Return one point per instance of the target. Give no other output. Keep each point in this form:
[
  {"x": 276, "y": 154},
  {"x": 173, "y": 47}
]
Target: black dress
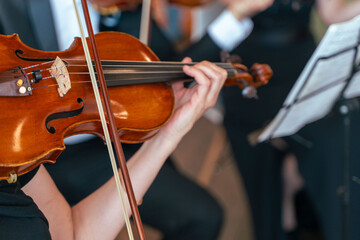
[{"x": 20, "y": 218}]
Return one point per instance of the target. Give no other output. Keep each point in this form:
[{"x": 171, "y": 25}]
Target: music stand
[{"x": 330, "y": 82}]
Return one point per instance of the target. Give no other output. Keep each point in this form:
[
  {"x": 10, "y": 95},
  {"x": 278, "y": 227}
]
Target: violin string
[
  {"x": 126, "y": 71},
  {"x": 39, "y": 64},
  {"x": 147, "y": 77},
  {"x": 122, "y": 82},
  {"x": 43, "y": 70},
  {"x": 144, "y": 62},
  {"x": 133, "y": 64},
  {"x": 46, "y": 86},
  {"x": 111, "y": 81},
  {"x": 132, "y": 71},
  {"x": 146, "y": 66},
  {"x": 125, "y": 64}
]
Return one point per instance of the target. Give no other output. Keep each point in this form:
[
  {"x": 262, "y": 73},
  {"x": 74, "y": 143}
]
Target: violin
[{"x": 47, "y": 96}]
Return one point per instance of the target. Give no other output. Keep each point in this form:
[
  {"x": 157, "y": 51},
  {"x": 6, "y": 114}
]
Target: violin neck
[{"x": 130, "y": 73}]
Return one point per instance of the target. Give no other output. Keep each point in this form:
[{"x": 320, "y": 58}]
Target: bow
[{"x": 125, "y": 179}]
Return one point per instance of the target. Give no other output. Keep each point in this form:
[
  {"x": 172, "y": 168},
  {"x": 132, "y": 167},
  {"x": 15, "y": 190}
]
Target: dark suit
[{"x": 196, "y": 215}]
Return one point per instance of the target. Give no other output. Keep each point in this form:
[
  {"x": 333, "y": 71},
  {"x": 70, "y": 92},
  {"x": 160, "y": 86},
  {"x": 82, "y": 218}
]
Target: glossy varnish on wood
[{"x": 25, "y": 141}]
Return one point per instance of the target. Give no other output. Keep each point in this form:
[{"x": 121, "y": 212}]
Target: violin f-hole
[
  {"x": 61, "y": 115},
  {"x": 19, "y": 52}
]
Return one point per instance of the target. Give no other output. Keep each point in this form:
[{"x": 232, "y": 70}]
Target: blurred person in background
[{"x": 281, "y": 38}]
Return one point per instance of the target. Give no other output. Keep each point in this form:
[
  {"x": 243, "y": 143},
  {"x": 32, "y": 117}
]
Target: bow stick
[
  {"x": 145, "y": 22},
  {"x": 112, "y": 125}
]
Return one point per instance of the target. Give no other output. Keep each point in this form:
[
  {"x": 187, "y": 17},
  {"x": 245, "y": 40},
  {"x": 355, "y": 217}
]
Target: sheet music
[
  {"x": 327, "y": 72},
  {"x": 321, "y": 105},
  {"x": 322, "y": 81}
]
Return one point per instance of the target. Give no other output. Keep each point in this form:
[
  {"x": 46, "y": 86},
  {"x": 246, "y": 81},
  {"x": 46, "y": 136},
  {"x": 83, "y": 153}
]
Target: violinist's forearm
[
  {"x": 103, "y": 207},
  {"x": 98, "y": 216},
  {"x": 147, "y": 162},
  {"x": 50, "y": 201},
  {"x": 335, "y": 11}
]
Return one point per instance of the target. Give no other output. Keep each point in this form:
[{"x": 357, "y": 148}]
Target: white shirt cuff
[{"x": 227, "y": 32}]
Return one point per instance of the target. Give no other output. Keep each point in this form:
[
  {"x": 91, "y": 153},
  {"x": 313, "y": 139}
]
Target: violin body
[{"x": 35, "y": 124}]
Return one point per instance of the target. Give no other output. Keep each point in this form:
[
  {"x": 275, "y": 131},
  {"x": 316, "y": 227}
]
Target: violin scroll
[
  {"x": 250, "y": 80},
  {"x": 245, "y": 79},
  {"x": 261, "y": 73}
]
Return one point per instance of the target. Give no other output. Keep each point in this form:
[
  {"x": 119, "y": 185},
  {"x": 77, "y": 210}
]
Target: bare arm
[
  {"x": 334, "y": 11},
  {"x": 99, "y": 216}
]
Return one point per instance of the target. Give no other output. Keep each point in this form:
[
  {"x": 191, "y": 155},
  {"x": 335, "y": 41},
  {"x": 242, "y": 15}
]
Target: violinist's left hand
[{"x": 191, "y": 103}]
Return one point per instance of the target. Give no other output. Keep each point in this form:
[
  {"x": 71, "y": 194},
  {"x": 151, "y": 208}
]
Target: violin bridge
[{"x": 59, "y": 71}]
